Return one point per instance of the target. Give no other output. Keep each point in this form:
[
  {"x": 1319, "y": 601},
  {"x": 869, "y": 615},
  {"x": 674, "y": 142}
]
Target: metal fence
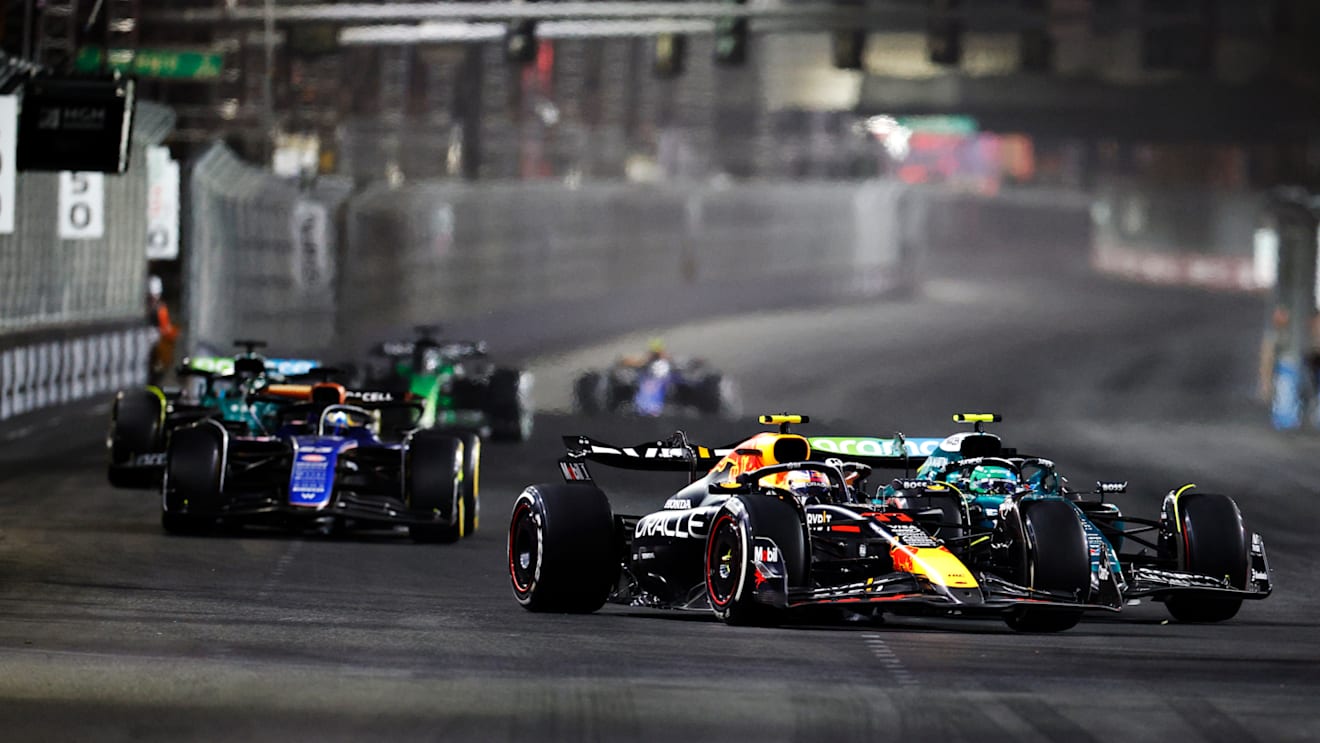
[
  {"x": 46, "y": 282},
  {"x": 446, "y": 250},
  {"x": 526, "y": 251},
  {"x": 529, "y": 264},
  {"x": 262, "y": 255},
  {"x": 72, "y": 312}
]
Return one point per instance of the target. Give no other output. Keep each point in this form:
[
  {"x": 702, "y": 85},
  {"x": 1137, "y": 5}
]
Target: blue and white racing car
[{"x": 333, "y": 458}]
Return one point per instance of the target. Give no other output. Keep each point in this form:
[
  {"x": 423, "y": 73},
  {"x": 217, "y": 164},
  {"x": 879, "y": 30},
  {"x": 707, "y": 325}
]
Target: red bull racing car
[{"x": 768, "y": 526}]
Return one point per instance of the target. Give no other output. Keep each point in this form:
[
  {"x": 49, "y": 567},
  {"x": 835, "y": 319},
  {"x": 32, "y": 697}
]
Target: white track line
[
  {"x": 890, "y": 662},
  {"x": 276, "y": 573}
]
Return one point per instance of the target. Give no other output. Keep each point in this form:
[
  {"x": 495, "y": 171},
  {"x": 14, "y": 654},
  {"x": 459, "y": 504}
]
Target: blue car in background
[
  {"x": 654, "y": 385},
  {"x": 335, "y": 459}
]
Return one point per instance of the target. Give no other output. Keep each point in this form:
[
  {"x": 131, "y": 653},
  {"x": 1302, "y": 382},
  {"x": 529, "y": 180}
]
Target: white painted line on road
[
  {"x": 876, "y": 644},
  {"x": 281, "y": 565}
]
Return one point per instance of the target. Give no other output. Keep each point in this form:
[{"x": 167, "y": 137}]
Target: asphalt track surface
[{"x": 111, "y": 630}]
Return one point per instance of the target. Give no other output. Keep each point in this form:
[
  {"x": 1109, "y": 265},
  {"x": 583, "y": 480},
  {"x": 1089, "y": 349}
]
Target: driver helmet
[
  {"x": 655, "y": 350},
  {"x": 249, "y": 368},
  {"x": 808, "y": 486},
  {"x": 338, "y": 421},
  {"x": 191, "y": 390},
  {"x": 993, "y": 480},
  {"x": 428, "y": 358}
]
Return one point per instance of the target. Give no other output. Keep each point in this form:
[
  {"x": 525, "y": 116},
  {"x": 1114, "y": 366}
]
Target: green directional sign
[
  {"x": 166, "y": 64},
  {"x": 939, "y": 124}
]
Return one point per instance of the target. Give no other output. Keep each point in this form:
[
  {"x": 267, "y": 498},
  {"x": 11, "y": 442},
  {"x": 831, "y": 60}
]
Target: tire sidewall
[
  {"x": 435, "y": 479},
  {"x": 575, "y": 564},
  {"x": 1213, "y": 538},
  {"x": 135, "y": 426},
  {"x": 471, "y": 483},
  {"x": 528, "y": 517},
  {"x": 194, "y": 466},
  {"x": 749, "y": 517},
  {"x": 726, "y": 607},
  {"x": 1056, "y": 554}
]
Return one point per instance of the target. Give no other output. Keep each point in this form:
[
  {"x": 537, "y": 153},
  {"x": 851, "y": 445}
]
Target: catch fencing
[
  {"x": 72, "y": 312},
  {"x": 261, "y": 261},
  {"x": 515, "y": 259},
  {"x": 536, "y": 251},
  {"x": 47, "y": 282}
]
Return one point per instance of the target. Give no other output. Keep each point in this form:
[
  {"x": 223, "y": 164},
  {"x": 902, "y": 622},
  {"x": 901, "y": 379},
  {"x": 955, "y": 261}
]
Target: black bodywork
[
  {"x": 310, "y": 471},
  {"x": 840, "y": 552},
  {"x": 141, "y": 422}
]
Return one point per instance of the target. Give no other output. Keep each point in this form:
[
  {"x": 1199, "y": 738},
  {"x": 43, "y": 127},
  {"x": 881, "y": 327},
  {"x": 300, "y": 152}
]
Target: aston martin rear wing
[
  {"x": 679, "y": 455},
  {"x": 899, "y": 452}
]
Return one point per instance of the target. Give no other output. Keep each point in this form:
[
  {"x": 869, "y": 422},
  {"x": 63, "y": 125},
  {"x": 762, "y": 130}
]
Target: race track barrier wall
[
  {"x": 48, "y": 371},
  {"x": 1191, "y": 237},
  {"x": 535, "y": 265},
  {"x": 1288, "y": 247},
  {"x": 73, "y": 312},
  {"x": 538, "y": 254},
  {"x": 497, "y": 255}
]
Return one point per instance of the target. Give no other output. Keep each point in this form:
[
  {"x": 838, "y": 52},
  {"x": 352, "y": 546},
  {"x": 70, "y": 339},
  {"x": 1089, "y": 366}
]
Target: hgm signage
[{"x": 76, "y": 124}]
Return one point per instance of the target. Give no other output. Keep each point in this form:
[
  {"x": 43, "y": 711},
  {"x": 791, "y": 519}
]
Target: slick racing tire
[
  {"x": 1214, "y": 543},
  {"x": 434, "y": 469},
  {"x": 135, "y": 429},
  {"x": 589, "y": 392},
  {"x": 470, "y": 394},
  {"x": 717, "y": 397},
  {"x": 510, "y": 410},
  {"x": 192, "y": 486},
  {"x": 471, "y": 482},
  {"x": 562, "y": 548},
  {"x": 1055, "y": 557},
  {"x": 730, "y": 565}
]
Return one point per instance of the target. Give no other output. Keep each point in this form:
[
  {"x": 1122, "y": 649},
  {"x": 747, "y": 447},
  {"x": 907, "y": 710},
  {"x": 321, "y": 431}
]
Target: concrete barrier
[
  {"x": 1184, "y": 236},
  {"x": 40, "y": 372}
]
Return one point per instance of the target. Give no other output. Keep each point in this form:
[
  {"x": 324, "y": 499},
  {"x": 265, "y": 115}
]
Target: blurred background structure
[
  {"x": 1157, "y": 127},
  {"x": 1204, "y": 92},
  {"x": 1098, "y": 218},
  {"x": 982, "y": 91}
]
